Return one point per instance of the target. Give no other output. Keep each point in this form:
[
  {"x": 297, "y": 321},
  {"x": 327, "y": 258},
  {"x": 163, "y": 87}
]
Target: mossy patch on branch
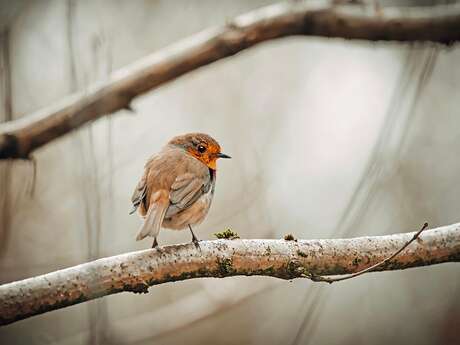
[
  {"x": 289, "y": 237},
  {"x": 227, "y": 234},
  {"x": 225, "y": 266},
  {"x": 295, "y": 269},
  {"x": 302, "y": 254}
]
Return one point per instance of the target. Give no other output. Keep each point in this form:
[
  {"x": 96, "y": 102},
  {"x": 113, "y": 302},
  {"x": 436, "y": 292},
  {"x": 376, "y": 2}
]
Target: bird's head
[{"x": 201, "y": 146}]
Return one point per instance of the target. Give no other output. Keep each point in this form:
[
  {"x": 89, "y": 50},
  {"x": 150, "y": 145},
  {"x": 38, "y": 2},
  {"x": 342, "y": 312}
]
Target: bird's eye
[{"x": 201, "y": 148}]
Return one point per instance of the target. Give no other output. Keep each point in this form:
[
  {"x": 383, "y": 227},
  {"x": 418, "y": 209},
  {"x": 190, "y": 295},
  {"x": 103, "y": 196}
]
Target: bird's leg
[
  {"x": 155, "y": 243},
  {"x": 195, "y": 240}
]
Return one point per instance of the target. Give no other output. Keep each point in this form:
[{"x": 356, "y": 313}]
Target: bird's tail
[{"x": 152, "y": 221}]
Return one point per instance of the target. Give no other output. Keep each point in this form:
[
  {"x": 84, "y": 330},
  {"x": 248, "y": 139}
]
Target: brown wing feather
[
  {"x": 139, "y": 194},
  {"x": 173, "y": 170},
  {"x": 186, "y": 189}
]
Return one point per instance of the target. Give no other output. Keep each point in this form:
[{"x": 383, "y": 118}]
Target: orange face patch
[
  {"x": 212, "y": 164},
  {"x": 208, "y": 157}
]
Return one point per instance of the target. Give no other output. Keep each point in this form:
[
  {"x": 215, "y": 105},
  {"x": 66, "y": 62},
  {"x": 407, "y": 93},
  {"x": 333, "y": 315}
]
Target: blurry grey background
[{"x": 329, "y": 138}]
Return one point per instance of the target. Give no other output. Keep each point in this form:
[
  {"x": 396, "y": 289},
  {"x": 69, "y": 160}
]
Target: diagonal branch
[
  {"x": 440, "y": 24},
  {"x": 223, "y": 258}
]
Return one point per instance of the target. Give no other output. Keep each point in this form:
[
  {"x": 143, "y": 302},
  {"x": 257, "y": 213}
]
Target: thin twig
[{"x": 330, "y": 280}]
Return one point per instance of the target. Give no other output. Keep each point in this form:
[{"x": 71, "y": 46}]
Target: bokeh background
[{"x": 329, "y": 138}]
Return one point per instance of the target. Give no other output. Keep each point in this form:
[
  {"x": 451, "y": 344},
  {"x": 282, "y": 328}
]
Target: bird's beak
[{"x": 223, "y": 155}]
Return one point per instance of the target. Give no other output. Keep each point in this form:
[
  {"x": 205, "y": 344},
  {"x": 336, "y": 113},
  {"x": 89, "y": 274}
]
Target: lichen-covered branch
[
  {"x": 222, "y": 258},
  {"x": 440, "y": 24}
]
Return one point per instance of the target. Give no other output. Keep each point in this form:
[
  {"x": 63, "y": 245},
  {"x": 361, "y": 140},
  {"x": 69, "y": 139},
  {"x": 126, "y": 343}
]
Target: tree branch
[
  {"x": 374, "y": 267},
  {"x": 222, "y": 258},
  {"x": 440, "y": 24}
]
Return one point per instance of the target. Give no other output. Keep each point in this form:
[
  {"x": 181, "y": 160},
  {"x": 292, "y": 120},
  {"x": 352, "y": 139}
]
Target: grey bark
[{"x": 283, "y": 259}]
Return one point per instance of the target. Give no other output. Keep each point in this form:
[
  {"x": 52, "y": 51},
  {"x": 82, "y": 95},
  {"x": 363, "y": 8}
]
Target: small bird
[{"x": 177, "y": 187}]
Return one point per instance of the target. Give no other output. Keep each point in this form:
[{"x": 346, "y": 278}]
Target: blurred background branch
[
  {"x": 437, "y": 24},
  {"x": 285, "y": 259}
]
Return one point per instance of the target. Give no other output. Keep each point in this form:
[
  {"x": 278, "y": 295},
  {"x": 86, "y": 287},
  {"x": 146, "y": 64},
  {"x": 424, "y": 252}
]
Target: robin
[{"x": 177, "y": 187}]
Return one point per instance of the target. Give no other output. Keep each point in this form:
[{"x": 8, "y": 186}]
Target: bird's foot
[
  {"x": 195, "y": 239},
  {"x": 196, "y": 242}
]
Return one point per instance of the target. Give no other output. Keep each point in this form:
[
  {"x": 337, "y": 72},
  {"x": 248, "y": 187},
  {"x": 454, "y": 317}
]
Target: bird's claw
[{"x": 196, "y": 242}]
